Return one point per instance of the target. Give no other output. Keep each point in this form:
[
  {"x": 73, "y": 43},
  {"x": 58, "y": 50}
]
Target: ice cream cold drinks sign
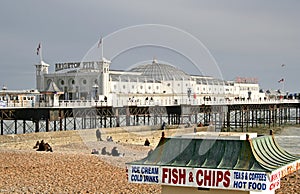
[{"x": 203, "y": 177}]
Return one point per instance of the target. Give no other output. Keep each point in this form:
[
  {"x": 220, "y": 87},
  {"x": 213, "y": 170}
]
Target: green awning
[{"x": 261, "y": 154}]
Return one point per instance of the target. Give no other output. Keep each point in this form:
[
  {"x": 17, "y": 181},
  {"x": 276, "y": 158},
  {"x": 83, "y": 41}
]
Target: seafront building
[{"x": 146, "y": 84}]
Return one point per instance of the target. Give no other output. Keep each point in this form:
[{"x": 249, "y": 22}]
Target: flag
[
  {"x": 281, "y": 80},
  {"x": 38, "y": 49},
  {"x": 100, "y": 42}
]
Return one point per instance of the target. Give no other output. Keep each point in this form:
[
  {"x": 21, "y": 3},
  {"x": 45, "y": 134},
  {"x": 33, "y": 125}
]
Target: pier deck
[{"x": 90, "y": 114}]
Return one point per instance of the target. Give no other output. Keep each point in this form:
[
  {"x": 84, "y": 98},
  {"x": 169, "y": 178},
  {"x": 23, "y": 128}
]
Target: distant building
[{"x": 146, "y": 84}]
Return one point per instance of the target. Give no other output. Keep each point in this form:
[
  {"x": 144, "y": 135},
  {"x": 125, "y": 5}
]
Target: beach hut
[{"x": 215, "y": 163}]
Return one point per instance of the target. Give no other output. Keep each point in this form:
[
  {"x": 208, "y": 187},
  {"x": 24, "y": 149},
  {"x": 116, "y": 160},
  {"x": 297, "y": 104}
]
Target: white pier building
[{"x": 146, "y": 84}]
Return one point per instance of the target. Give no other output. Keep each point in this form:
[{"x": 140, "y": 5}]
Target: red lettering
[
  {"x": 199, "y": 176},
  {"x": 182, "y": 176},
  {"x": 275, "y": 176},
  {"x": 164, "y": 174},
  {"x": 226, "y": 178},
  {"x": 213, "y": 178},
  {"x": 174, "y": 176},
  {"x": 219, "y": 177},
  {"x": 207, "y": 178}
]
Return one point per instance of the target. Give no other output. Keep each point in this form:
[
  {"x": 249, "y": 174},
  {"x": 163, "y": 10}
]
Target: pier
[{"x": 224, "y": 115}]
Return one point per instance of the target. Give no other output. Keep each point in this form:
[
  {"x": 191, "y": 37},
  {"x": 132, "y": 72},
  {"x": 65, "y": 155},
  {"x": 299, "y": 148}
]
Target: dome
[{"x": 161, "y": 72}]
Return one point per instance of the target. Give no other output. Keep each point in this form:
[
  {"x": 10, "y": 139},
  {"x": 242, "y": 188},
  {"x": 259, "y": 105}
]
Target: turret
[
  {"x": 41, "y": 70},
  {"x": 104, "y": 76}
]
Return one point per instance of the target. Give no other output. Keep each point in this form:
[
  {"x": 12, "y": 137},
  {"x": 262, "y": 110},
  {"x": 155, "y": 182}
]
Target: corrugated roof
[
  {"x": 269, "y": 154},
  {"x": 258, "y": 154}
]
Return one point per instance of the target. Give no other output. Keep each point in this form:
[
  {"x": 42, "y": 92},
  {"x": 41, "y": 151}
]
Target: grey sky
[{"x": 247, "y": 38}]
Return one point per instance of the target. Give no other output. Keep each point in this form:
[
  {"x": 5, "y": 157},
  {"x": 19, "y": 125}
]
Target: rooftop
[{"x": 260, "y": 154}]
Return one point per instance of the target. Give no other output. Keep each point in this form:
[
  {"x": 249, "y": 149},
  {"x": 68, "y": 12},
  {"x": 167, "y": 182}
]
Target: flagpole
[
  {"x": 100, "y": 43},
  {"x": 41, "y": 53},
  {"x": 102, "y": 48},
  {"x": 283, "y": 76}
]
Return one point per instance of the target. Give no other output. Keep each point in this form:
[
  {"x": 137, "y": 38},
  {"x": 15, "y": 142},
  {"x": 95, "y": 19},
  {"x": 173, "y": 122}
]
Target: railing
[{"x": 120, "y": 103}]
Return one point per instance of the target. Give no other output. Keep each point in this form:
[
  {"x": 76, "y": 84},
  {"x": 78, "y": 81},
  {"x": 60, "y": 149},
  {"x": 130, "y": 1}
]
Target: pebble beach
[{"x": 71, "y": 168}]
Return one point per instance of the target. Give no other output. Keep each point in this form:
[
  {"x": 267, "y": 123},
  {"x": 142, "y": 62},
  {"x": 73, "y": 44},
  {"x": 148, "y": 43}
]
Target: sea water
[{"x": 289, "y": 139}]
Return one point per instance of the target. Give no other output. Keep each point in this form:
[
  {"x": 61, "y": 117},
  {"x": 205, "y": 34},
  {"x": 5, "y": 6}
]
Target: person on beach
[
  {"x": 147, "y": 142},
  {"x": 98, "y": 135},
  {"x": 163, "y": 127},
  {"x": 103, "y": 151},
  {"x": 115, "y": 152}
]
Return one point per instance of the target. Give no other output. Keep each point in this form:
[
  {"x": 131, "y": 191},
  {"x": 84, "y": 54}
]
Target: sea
[{"x": 289, "y": 139}]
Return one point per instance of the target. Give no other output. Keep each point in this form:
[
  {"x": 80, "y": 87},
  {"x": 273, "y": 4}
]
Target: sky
[{"x": 226, "y": 38}]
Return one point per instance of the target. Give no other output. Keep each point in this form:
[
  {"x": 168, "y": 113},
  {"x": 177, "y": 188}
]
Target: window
[{"x": 84, "y": 81}]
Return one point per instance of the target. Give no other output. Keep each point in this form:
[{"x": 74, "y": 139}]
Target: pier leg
[
  {"x": 54, "y": 125},
  {"x": 47, "y": 125},
  {"x": 105, "y": 122},
  {"x": 1, "y": 126},
  {"x": 16, "y": 126},
  {"x": 74, "y": 123},
  {"x": 60, "y": 124},
  {"x": 65, "y": 123},
  {"x": 24, "y": 126},
  {"x": 37, "y": 126},
  {"x": 110, "y": 122},
  {"x": 228, "y": 120}
]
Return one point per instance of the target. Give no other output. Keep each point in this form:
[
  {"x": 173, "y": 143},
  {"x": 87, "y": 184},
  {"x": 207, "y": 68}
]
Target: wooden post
[
  {"x": 37, "y": 126},
  {"x": 74, "y": 123},
  {"x": 47, "y": 125},
  {"x": 16, "y": 126},
  {"x": 2, "y": 127},
  {"x": 54, "y": 125},
  {"x": 24, "y": 126}
]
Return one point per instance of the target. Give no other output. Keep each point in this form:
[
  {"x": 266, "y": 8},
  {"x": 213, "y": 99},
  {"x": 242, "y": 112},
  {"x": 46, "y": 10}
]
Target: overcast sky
[{"x": 246, "y": 38}]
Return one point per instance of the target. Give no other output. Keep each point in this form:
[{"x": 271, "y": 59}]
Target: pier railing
[{"x": 87, "y": 103}]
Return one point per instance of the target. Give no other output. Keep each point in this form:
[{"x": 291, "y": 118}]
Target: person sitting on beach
[
  {"x": 43, "y": 146},
  {"x": 36, "y": 145},
  {"x": 109, "y": 138},
  {"x": 115, "y": 152},
  {"x": 48, "y": 147},
  {"x": 103, "y": 151},
  {"x": 94, "y": 151},
  {"x": 147, "y": 142}
]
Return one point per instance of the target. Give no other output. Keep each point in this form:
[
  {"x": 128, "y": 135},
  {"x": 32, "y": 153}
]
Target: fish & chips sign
[{"x": 205, "y": 178}]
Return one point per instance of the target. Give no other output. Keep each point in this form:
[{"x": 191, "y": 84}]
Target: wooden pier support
[{"x": 242, "y": 116}]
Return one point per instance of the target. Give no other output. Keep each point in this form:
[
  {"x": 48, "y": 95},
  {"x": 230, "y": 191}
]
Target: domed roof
[{"x": 161, "y": 72}]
